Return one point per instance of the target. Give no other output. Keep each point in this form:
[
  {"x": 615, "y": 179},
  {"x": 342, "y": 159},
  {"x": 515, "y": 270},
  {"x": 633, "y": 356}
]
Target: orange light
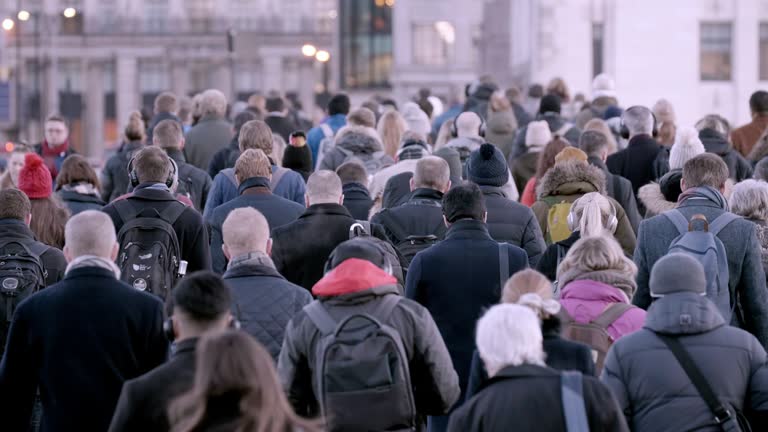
[{"x": 9, "y": 146}]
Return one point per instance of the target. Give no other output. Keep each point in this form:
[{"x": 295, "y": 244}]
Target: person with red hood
[
  {"x": 358, "y": 281},
  {"x": 55, "y": 147}
]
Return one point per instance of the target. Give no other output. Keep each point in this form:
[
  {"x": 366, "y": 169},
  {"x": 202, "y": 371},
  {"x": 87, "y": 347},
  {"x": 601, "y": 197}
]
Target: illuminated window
[{"x": 716, "y": 51}]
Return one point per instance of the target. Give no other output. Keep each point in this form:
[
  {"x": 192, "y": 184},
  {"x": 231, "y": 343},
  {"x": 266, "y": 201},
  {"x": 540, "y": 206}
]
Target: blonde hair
[
  {"x": 525, "y": 283},
  {"x": 391, "y": 128},
  {"x": 499, "y": 102},
  {"x": 135, "y": 130},
  {"x": 596, "y": 253},
  {"x": 252, "y": 163},
  {"x": 600, "y": 125},
  {"x": 558, "y": 87},
  {"x": 278, "y": 149},
  {"x": 592, "y": 214}
]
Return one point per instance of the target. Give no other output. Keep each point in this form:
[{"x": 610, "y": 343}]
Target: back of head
[
  {"x": 135, "y": 130},
  {"x": 464, "y": 201},
  {"x": 525, "y": 286},
  {"x": 152, "y": 165},
  {"x": 339, "y": 104},
  {"x": 687, "y": 145},
  {"x": 90, "y": 233},
  {"x": 664, "y": 111},
  {"x": 352, "y": 172},
  {"x": 715, "y": 122},
  {"x": 14, "y": 204},
  {"x": 213, "y": 103},
  {"x": 758, "y": 102},
  {"x": 252, "y": 163},
  {"x": 242, "y": 118},
  {"x": 362, "y": 117},
  {"x": 76, "y": 169},
  {"x": 203, "y": 297},
  {"x": 415, "y": 118},
  {"x": 593, "y": 143},
  {"x": 275, "y": 103},
  {"x": 603, "y": 85},
  {"x": 761, "y": 170},
  {"x": 468, "y": 124},
  {"x": 487, "y": 166},
  {"x": 675, "y": 273},
  {"x": 598, "y": 253},
  {"x": 535, "y": 91},
  {"x": 168, "y": 135},
  {"x": 245, "y": 230},
  {"x": 324, "y": 187},
  {"x": 432, "y": 172},
  {"x": 537, "y": 135},
  {"x": 509, "y": 335},
  {"x": 593, "y": 214},
  {"x": 558, "y": 87},
  {"x": 255, "y": 134},
  {"x": 600, "y": 125},
  {"x": 638, "y": 120},
  {"x": 571, "y": 154},
  {"x": 706, "y": 169},
  {"x": 550, "y": 103},
  {"x": 749, "y": 199},
  {"x": 547, "y": 157},
  {"x": 166, "y": 102},
  {"x": 186, "y": 106}
]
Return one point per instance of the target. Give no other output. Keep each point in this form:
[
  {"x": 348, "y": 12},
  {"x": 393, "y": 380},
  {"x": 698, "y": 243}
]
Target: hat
[
  {"x": 603, "y": 86},
  {"x": 35, "y": 179},
  {"x": 452, "y": 156},
  {"x": 487, "y": 167},
  {"x": 550, "y": 103},
  {"x": 687, "y": 145},
  {"x": 537, "y": 136},
  {"x": 677, "y": 272},
  {"x": 612, "y": 112},
  {"x": 570, "y": 154},
  {"x": 360, "y": 248},
  {"x": 416, "y": 119}
]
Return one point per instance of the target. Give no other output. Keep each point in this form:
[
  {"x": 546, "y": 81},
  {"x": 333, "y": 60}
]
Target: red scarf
[{"x": 51, "y": 154}]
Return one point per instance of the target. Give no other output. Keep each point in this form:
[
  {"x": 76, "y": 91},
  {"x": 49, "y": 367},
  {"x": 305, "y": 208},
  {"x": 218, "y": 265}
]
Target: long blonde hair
[
  {"x": 391, "y": 128},
  {"x": 597, "y": 253},
  {"x": 592, "y": 214}
]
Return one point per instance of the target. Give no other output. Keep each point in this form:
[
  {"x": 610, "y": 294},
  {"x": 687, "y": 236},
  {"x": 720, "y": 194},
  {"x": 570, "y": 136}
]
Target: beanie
[
  {"x": 603, "y": 86},
  {"x": 687, "y": 145},
  {"x": 677, "y": 272},
  {"x": 537, "y": 136},
  {"x": 487, "y": 167},
  {"x": 452, "y": 156},
  {"x": 550, "y": 103},
  {"x": 570, "y": 154},
  {"x": 360, "y": 248},
  {"x": 416, "y": 119},
  {"x": 35, "y": 179}
]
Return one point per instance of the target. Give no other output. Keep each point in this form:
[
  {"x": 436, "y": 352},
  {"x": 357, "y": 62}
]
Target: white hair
[
  {"x": 509, "y": 335},
  {"x": 324, "y": 187},
  {"x": 90, "y": 233},
  {"x": 750, "y": 199},
  {"x": 278, "y": 149},
  {"x": 213, "y": 102},
  {"x": 639, "y": 120},
  {"x": 468, "y": 124},
  {"x": 245, "y": 230}
]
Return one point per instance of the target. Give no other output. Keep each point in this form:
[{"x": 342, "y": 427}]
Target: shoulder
[{"x": 194, "y": 171}]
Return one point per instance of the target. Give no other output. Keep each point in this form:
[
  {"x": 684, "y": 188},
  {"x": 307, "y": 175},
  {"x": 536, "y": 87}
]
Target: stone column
[
  {"x": 222, "y": 78},
  {"x": 50, "y": 86},
  {"x": 307, "y": 80},
  {"x": 127, "y": 93},
  {"x": 94, "y": 110},
  {"x": 180, "y": 78}
]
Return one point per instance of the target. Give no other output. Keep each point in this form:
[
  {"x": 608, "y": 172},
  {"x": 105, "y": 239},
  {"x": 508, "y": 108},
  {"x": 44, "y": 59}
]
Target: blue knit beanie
[{"x": 487, "y": 167}]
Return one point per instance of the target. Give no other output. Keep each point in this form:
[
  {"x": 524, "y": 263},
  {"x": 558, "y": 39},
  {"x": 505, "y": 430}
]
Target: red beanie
[{"x": 35, "y": 179}]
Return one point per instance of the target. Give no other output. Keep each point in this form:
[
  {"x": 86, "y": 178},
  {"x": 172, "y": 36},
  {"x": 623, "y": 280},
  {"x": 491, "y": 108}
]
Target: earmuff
[
  {"x": 134, "y": 176},
  {"x": 624, "y": 130},
  {"x": 613, "y": 222},
  {"x": 171, "y": 335},
  {"x": 480, "y": 129}
]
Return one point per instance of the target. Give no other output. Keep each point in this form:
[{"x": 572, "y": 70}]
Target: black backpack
[
  {"x": 149, "y": 249},
  {"x": 21, "y": 274},
  {"x": 409, "y": 245}
]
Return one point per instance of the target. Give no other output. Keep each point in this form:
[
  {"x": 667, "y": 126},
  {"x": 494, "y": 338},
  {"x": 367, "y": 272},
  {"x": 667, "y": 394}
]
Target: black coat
[
  {"x": 301, "y": 248},
  {"x": 421, "y": 215},
  {"x": 620, "y": 189},
  {"x": 640, "y": 162},
  {"x": 298, "y": 159},
  {"x": 263, "y": 301},
  {"x": 397, "y": 190},
  {"x": 225, "y": 158},
  {"x": 738, "y": 167},
  {"x": 78, "y": 341},
  {"x": 144, "y": 401},
  {"x": 193, "y": 182},
  {"x": 281, "y": 126},
  {"x": 529, "y": 397},
  {"x": 357, "y": 200},
  {"x": 77, "y": 202},
  {"x": 513, "y": 223},
  {"x": 189, "y": 227},
  {"x": 556, "y": 252},
  {"x": 114, "y": 177},
  {"x": 157, "y": 118}
]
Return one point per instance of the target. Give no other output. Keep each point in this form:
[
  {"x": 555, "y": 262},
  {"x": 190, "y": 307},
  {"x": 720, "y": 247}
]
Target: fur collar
[
  {"x": 359, "y": 130},
  {"x": 653, "y": 200},
  {"x": 760, "y": 150},
  {"x": 571, "y": 178}
]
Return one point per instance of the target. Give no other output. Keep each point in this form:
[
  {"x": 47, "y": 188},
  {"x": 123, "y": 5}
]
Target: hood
[
  {"x": 762, "y": 237},
  {"x": 590, "y": 290},
  {"x": 484, "y": 91},
  {"x": 359, "y": 139},
  {"x": 501, "y": 123},
  {"x": 554, "y": 120},
  {"x": 683, "y": 313},
  {"x": 714, "y": 142},
  {"x": 571, "y": 178},
  {"x": 654, "y": 200},
  {"x": 352, "y": 276}
]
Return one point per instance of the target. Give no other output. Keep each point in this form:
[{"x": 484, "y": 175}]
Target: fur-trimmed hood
[
  {"x": 359, "y": 139},
  {"x": 571, "y": 178},
  {"x": 654, "y": 201}
]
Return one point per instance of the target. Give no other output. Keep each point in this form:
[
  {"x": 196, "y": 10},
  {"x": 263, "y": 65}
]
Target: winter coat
[
  {"x": 640, "y": 162},
  {"x": 762, "y": 237},
  {"x": 421, "y": 215},
  {"x": 529, "y": 193},
  {"x": 114, "y": 178},
  {"x": 569, "y": 181},
  {"x": 380, "y": 179},
  {"x": 464, "y": 146},
  {"x": 524, "y": 169},
  {"x": 653, "y": 390},
  {"x": 208, "y": 136},
  {"x": 264, "y": 301},
  {"x": 554, "y": 254},
  {"x": 355, "y": 287},
  {"x": 298, "y": 159},
  {"x": 281, "y": 126},
  {"x": 156, "y": 119},
  {"x": 254, "y": 193},
  {"x": 225, "y": 158},
  {"x": 535, "y": 393},
  {"x": 357, "y": 200},
  {"x": 189, "y": 227},
  {"x": 77, "y": 342},
  {"x": 500, "y": 128},
  {"x": 620, "y": 189},
  {"x": 662, "y": 196},
  {"x": 596, "y": 109},
  {"x": 53, "y": 163},
  {"x": 513, "y": 223},
  {"x": 360, "y": 142},
  {"x": 192, "y": 180},
  {"x": 747, "y": 279},
  {"x": 745, "y": 138},
  {"x": 144, "y": 401},
  {"x": 557, "y": 124},
  {"x": 397, "y": 191},
  {"x": 316, "y": 135},
  {"x": 738, "y": 167},
  {"x": 587, "y": 299},
  {"x": 77, "y": 202}
]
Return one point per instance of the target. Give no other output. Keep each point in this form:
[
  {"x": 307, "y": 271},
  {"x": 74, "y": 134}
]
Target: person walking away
[
  {"x": 78, "y": 185},
  {"x": 354, "y": 183},
  {"x": 114, "y": 178},
  {"x": 277, "y": 119},
  {"x": 166, "y": 107},
  {"x": 320, "y": 138},
  {"x": 49, "y": 213},
  {"x": 745, "y": 137},
  {"x": 211, "y": 133}
]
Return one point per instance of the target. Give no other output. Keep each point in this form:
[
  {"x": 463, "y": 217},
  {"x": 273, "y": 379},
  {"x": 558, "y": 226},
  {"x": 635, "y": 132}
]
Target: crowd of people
[{"x": 489, "y": 261}]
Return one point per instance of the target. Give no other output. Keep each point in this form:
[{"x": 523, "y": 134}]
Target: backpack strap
[
  {"x": 172, "y": 213},
  {"x": 573, "y": 401},
  {"x": 721, "y": 222},
  {"x": 320, "y": 317},
  {"x": 503, "y": 265},
  {"x": 229, "y": 173},
  {"x": 394, "y": 225},
  {"x": 38, "y": 248},
  {"x": 564, "y": 130},
  {"x": 277, "y": 175},
  {"x": 125, "y": 210},
  {"x": 327, "y": 131},
  {"x": 678, "y": 220},
  {"x": 611, "y": 314}
]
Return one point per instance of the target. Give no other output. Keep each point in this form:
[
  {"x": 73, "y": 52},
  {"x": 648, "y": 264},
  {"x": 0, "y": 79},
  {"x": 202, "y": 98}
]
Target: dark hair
[
  {"x": 76, "y": 169},
  {"x": 14, "y": 204},
  {"x": 166, "y": 102},
  {"x": 49, "y": 217},
  {"x": 203, "y": 296},
  {"x": 536, "y": 91},
  {"x": 152, "y": 165},
  {"x": 761, "y": 170},
  {"x": 592, "y": 142},
  {"x": 758, "y": 102},
  {"x": 464, "y": 201},
  {"x": 57, "y": 118},
  {"x": 243, "y": 118},
  {"x": 275, "y": 104},
  {"x": 339, "y": 104},
  {"x": 550, "y": 103},
  {"x": 352, "y": 172},
  {"x": 426, "y": 106},
  {"x": 547, "y": 156}
]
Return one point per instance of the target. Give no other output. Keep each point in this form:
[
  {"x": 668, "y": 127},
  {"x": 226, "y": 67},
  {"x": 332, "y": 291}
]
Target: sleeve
[
  {"x": 413, "y": 288},
  {"x": 541, "y": 211},
  {"x": 55, "y": 265},
  {"x": 751, "y": 291},
  {"x": 329, "y": 161},
  {"x": 157, "y": 344},
  {"x": 533, "y": 242},
  {"x": 603, "y": 410},
  {"x": 295, "y": 374},
  {"x": 18, "y": 374},
  {"x": 613, "y": 378},
  {"x": 459, "y": 421},
  {"x": 128, "y": 412},
  {"x": 206, "y": 190},
  {"x": 624, "y": 234},
  {"x": 107, "y": 183},
  {"x": 547, "y": 265},
  {"x": 218, "y": 260},
  {"x": 477, "y": 377},
  {"x": 215, "y": 197},
  {"x": 299, "y": 188},
  {"x": 630, "y": 208},
  {"x": 216, "y": 164},
  {"x": 642, "y": 296},
  {"x": 757, "y": 390}
]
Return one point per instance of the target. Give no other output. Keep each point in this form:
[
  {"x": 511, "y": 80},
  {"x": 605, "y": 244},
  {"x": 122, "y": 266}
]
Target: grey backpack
[
  {"x": 361, "y": 374},
  {"x": 706, "y": 248}
]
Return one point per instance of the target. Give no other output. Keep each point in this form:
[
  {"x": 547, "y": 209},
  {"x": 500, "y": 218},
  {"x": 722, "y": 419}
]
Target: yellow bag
[{"x": 557, "y": 221}]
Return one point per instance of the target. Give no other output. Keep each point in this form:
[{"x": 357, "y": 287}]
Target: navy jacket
[
  {"x": 78, "y": 341},
  {"x": 639, "y": 162},
  {"x": 422, "y": 214},
  {"x": 114, "y": 177},
  {"x": 513, "y": 223},
  {"x": 357, "y": 200}
]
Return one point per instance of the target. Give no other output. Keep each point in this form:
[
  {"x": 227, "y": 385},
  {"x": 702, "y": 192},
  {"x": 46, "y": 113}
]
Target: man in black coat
[
  {"x": 166, "y": 107},
  {"x": 301, "y": 248},
  {"x": 595, "y": 145},
  {"x": 253, "y": 173},
  {"x": 460, "y": 277},
  {"x": 194, "y": 183},
  {"x": 78, "y": 340},
  {"x": 508, "y": 221},
  {"x": 264, "y": 301},
  {"x": 201, "y": 305},
  {"x": 276, "y": 118},
  {"x": 153, "y": 169},
  {"x": 354, "y": 182}
]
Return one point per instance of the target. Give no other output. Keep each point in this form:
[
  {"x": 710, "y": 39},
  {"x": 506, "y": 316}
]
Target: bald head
[
  {"x": 90, "y": 233},
  {"x": 245, "y": 230},
  {"x": 432, "y": 172},
  {"x": 468, "y": 124},
  {"x": 324, "y": 187}
]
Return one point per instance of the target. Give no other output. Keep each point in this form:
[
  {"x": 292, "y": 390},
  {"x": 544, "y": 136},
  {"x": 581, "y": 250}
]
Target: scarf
[
  {"x": 706, "y": 193},
  {"x": 613, "y": 277},
  {"x": 52, "y": 154},
  {"x": 82, "y": 188},
  {"x": 251, "y": 258},
  {"x": 93, "y": 261}
]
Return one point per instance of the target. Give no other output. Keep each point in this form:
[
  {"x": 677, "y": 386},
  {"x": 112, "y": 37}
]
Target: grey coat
[
  {"x": 653, "y": 390},
  {"x": 747, "y": 279},
  {"x": 206, "y": 138},
  {"x": 360, "y": 142}
]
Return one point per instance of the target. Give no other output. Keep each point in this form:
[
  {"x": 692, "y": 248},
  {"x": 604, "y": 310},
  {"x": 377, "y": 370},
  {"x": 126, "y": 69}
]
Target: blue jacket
[{"x": 316, "y": 135}]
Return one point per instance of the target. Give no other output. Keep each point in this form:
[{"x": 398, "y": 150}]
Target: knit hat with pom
[
  {"x": 537, "y": 136},
  {"x": 487, "y": 167},
  {"x": 35, "y": 179},
  {"x": 687, "y": 145}
]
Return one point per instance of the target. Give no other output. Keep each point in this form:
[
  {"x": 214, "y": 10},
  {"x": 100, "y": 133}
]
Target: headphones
[
  {"x": 134, "y": 176},
  {"x": 613, "y": 222},
  {"x": 354, "y": 229},
  {"x": 171, "y": 335},
  {"x": 624, "y": 130},
  {"x": 480, "y": 129}
]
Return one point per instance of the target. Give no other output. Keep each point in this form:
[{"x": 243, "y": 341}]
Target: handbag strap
[
  {"x": 503, "y": 265},
  {"x": 573, "y": 402}
]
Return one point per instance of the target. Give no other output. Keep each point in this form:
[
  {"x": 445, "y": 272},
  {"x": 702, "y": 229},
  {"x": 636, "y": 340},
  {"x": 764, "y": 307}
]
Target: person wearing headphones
[
  {"x": 468, "y": 131},
  {"x": 201, "y": 305}
]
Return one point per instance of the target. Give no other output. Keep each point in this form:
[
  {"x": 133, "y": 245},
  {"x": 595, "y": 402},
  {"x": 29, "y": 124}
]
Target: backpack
[
  {"x": 557, "y": 220},
  {"x": 326, "y": 144},
  {"x": 361, "y": 374},
  {"x": 373, "y": 162},
  {"x": 22, "y": 274},
  {"x": 149, "y": 249},
  {"x": 409, "y": 245},
  {"x": 706, "y": 248},
  {"x": 594, "y": 334},
  {"x": 363, "y": 229},
  {"x": 277, "y": 175}
]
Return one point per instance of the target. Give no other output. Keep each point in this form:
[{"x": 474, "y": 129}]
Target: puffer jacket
[
  {"x": 500, "y": 130},
  {"x": 651, "y": 387},
  {"x": 513, "y": 223},
  {"x": 716, "y": 143},
  {"x": 359, "y": 142}
]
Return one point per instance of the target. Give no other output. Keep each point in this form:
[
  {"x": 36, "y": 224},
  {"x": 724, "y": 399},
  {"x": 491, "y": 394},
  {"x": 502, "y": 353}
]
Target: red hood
[{"x": 353, "y": 275}]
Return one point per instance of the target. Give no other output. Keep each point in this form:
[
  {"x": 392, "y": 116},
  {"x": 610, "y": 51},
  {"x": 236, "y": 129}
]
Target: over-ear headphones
[
  {"x": 171, "y": 335},
  {"x": 480, "y": 129},
  {"x": 613, "y": 222},
  {"x": 624, "y": 130},
  {"x": 134, "y": 176}
]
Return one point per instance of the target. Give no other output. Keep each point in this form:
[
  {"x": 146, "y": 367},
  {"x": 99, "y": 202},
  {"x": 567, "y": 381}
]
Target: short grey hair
[
  {"x": 639, "y": 120},
  {"x": 750, "y": 199},
  {"x": 432, "y": 172},
  {"x": 245, "y": 230},
  {"x": 716, "y": 123},
  {"x": 509, "y": 335},
  {"x": 324, "y": 187},
  {"x": 593, "y": 143},
  {"x": 213, "y": 102},
  {"x": 90, "y": 233},
  {"x": 761, "y": 170}
]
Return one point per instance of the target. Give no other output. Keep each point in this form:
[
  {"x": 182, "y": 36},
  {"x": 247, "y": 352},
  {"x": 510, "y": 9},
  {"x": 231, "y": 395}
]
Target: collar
[
  {"x": 176, "y": 154},
  {"x": 275, "y": 114},
  {"x": 326, "y": 209},
  {"x": 254, "y": 182},
  {"x": 90, "y": 272},
  {"x": 17, "y": 227},
  {"x": 468, "y": 228},
  {"x": 642, "y": 140},
  {"x": 250, "y": 269},
  {"x": 426, "y": 193},
  {"x": 251, "y": 258},
  {"x": 492, "y": 191},
  {"x": 185, "y": 347},
  {"x": 522, "y": 371},
  {"x": 131, "y": 146},
  {"x": 209, "y": 117},
  {"x": 355, "y": 188},
  {"x": 144, "y": 191},
  {"x": 596, "y": 161}
]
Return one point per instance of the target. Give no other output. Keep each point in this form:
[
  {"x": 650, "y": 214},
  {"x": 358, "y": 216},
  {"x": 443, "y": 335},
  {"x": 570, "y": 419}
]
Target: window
[
  {"x": 365, "y": 57},
  {"x": 153, "y": 79},
  {"x": 433, "y": 43},
  {"x": 156, "y": 14},
  {"x": 763, "y": 54},
  {"x": 715, "y": 57},
  {"x": 598, "y": 44}
]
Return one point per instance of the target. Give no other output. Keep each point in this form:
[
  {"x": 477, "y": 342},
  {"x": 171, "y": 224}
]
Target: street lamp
[
  {"x": 309, "y": 50},
  {"x": 8, "y": 24},
  {"x": 322, "y": 56},
  {"x": 23, "y": 15},
  {"x": 70, "y": 12}
]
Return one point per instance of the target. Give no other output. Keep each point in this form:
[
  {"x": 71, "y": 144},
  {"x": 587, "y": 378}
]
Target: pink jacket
[{"x": 585, "y": 300}]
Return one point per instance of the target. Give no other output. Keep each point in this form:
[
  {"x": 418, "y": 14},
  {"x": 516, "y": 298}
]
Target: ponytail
[{"x": 593, "y": 212}]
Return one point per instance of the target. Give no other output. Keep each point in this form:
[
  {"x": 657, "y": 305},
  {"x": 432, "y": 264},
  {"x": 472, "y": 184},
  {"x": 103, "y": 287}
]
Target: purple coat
[{"x": 586, "y": 299}]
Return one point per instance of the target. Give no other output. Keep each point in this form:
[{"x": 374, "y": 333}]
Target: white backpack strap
[{"x": 327, "y": 131}]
